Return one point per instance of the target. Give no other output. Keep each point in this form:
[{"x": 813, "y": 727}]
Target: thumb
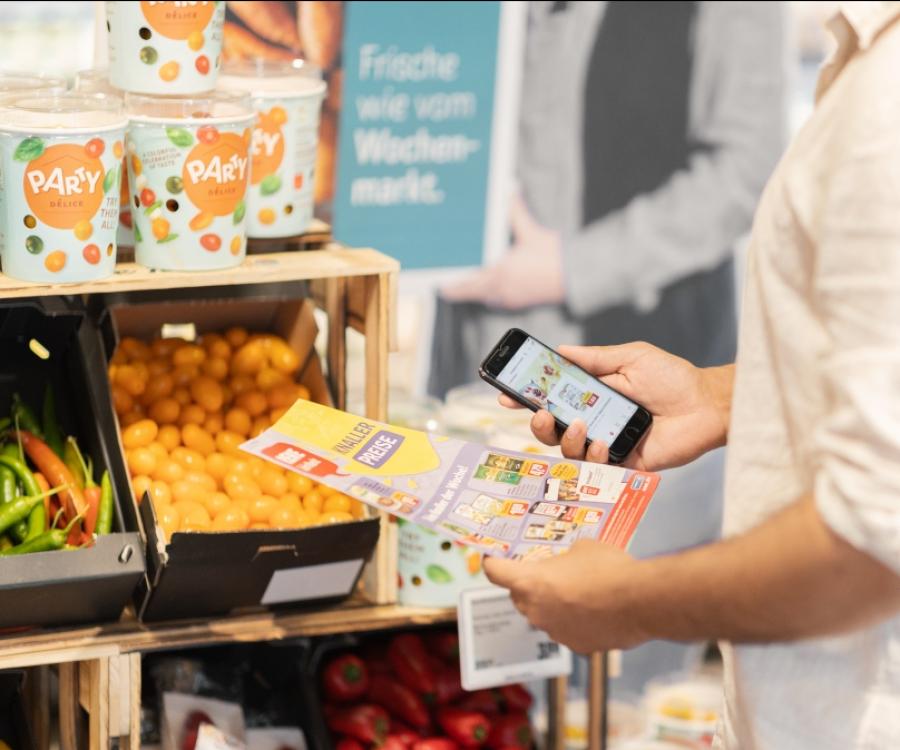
[
  {"x": 502, "y": 572},
  {"x": 521, "y": 222}
]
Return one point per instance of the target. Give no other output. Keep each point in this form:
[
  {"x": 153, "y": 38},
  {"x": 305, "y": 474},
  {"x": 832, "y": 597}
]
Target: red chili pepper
[
  {"x": 483, "y": 701},
  {"x": 516, "y": 697},
  {"x": 348, "y": 743},
  {"x": 399, "y": 700},
  {"x": 345, "y": 678},
  {"x": 92, "y": 498},
  {"x": 511, "y": 731},
  {"x": 393, "y": 743},
  {"x": 445, "y": 645},
  {"x": 409, "y": 659},
  {"x": 363, "y": 722},
  {"x": 447, "y": 685},
  {"x": 435, "y": 743},
  {"x": 56, "y": 473},
  {"x": 468, "y": 728}
]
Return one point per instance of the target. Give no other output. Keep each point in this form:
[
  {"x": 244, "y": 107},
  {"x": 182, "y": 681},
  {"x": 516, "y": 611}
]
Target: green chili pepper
[
  {"x": 37, "y": 521},
  {"x": 7, "y": 485},
  {"x": 72, "y": 459},
  {"x": 18, "y": 510},
  {"x": 25, "y": 417},
  {"x": 105, "y": 511},
  {"x": 49, "y": 541},
  {"x": 20, "y": 531},
  {"x": 52, "y": 433}
]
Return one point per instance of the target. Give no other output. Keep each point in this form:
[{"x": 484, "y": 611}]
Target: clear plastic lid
[
  {"x": 215, "y": 107},
  {"x": 263, "y": 77},
  {"x": 95, "y": 81},
  {"x": 15, "y": 81},
  {"x": 69, "y": 112}
]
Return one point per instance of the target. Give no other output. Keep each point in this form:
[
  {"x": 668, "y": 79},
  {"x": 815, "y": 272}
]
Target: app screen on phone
[{"x": 566, "y": 391}]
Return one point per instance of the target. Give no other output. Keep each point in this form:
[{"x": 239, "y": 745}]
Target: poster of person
[{"x": 307, "y": 29}]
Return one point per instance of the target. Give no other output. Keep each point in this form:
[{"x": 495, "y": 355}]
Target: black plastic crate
[{"x": 86, "y": 585}]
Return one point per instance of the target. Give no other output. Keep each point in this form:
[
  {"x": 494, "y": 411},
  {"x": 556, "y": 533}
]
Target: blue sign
[{"x": 415, "y": 129}]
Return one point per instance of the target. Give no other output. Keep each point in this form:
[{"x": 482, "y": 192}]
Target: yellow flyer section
[{"x": 511, "y": 504}]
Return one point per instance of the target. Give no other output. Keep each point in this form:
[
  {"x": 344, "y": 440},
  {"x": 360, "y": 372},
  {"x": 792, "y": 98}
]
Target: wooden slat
[
  {"x": 57, "y": 646},
  {"x": 38, "y": 705},
  {"x": 335, "y": 307},
  {"x": 256, "y": 269},
  {"x": 69, "y": 708},
  {"x": 556, "y": 713},
  {"x": 98, "y": 707},
  {"x": 597, "y": 702}
]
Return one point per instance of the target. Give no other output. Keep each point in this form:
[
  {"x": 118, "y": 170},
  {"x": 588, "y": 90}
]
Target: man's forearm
[{"x": 791, "y": 577}]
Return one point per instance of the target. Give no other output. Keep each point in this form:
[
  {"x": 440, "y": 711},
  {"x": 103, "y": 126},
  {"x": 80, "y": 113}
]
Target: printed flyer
[{"x": 509, "y": 504}]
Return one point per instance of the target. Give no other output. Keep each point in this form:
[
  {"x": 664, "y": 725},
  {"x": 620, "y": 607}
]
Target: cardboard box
[
  {"x": 199, "y": 574},
  {"x": 72, "y": 586}
]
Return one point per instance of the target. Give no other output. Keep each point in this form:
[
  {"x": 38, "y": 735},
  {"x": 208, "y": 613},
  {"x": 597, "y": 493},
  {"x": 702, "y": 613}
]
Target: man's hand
[
  {"x": 579, "y": 598},
  {"x": 530, "y": 273},
  {"x": 690, "y": 405}
]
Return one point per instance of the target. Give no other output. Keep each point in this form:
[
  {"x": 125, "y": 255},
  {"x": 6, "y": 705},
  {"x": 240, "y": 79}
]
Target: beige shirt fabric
[{"x": 817, "y": 393}]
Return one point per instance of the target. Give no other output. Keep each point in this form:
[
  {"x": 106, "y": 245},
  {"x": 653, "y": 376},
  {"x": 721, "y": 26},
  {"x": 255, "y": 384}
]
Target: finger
[
  {"x": 573, "y": 440},
  {"x": 502, "y": 572},
  {"x": 598, "y": 452},
  {"x": 474, "y": 288},
  {"x": 521, "y": 222},
  {"x": 509, "y": 403},
  {"x": 603, "y": 360},
  {"x": 543, "y": 426}
]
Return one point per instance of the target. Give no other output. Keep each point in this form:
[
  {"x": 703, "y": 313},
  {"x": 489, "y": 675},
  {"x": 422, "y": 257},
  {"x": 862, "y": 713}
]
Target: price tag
[{"x": 498, "y": 646}]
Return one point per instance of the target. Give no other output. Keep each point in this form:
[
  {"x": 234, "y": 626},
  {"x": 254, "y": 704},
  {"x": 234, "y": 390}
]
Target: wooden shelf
[
  {"x": 130, "y": 636},
  {"x": 336, "y": 261}
]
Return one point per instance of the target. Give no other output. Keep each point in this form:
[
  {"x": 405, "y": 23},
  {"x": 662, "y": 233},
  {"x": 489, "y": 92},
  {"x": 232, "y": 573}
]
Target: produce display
[
  {"x": 49, "y": 499},
  {"x": 185, "y": 408},
  {"x": 407, "y": 694}
]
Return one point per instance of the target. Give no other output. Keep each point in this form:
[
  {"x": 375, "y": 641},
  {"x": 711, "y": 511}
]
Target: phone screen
[{"x": 543, "y": 377}]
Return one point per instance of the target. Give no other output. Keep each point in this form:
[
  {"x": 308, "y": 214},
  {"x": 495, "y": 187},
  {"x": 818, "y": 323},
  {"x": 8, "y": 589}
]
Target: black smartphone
[{"x": 538, "y": 377}]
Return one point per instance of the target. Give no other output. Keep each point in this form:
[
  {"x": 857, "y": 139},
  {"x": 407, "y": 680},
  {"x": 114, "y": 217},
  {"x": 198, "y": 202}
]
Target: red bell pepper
[
  {"x": 363, "y": 722},
  {"x": 409, "y": 660},
  {"x": 435, "y": 743},
  {"x": 399, "y": 700},
  {"x": 468, "y": 728},
  {"x": 516, "y": 697},
  {"x": 348, "y": 743},
  {"x": 511, "y": 731},
  {"x": 345, "y": 678},
  {"x": 482, "y": 701},
  {"x": 445, "y": 645},
  {"x": 447, "y": 685}
]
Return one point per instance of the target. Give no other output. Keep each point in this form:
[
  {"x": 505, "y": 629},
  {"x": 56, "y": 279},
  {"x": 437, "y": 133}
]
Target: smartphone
[{"x": 538, "y": 377}]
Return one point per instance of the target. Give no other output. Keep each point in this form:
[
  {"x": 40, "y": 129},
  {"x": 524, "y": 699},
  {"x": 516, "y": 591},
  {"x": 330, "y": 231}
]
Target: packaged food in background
[
  {"x": 684, "y": 708},
  {"x": 287, "y": 98},
  {"x": 164, "y": 47},
  {"x": 188, "y": 171},
  {"x": 183, "y": 717}
]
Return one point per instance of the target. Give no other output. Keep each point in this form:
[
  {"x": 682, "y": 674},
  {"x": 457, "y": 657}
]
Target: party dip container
[
  {"x": 60, "y": 163},
  {"x": 164, "y": 47},
  {"x": 188, "y": 171},
  {"x": 287, "y": 98}
]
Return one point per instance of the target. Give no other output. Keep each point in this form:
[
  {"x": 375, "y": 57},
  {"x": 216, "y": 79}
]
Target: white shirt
[{"x": 817, "y": 392}]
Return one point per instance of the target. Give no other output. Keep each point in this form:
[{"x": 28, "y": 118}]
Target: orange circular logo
[
  {"x": 64, "y": 185},
  {"x": 267, "y": 146},
  {"x": 215, "y": 174},
  {"x": 177, "y": 20}
]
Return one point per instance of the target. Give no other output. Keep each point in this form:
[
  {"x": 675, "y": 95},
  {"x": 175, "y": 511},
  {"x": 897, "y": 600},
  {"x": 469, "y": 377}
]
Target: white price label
[{"x": 498, "y": 646}]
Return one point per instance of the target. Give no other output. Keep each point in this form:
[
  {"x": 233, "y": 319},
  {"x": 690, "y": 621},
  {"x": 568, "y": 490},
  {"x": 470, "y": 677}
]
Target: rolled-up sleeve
[{"x": 857, "y": 292}]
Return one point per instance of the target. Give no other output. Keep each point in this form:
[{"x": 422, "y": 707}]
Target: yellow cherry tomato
[
  {"x": 238, "y": 420},
  {"x": 140, "y": 484},
  {"x": 165, "y": 411},
  {"x": 216, "y": 502},
  {"x": 189, "y": 354},
  {"x": 232, "y": 518},
  {"x": 160, "y": 493},
  {"x": 140, "y": 461},
  {"x": 216, "y": 367},
  {"x": 207, "y": 392},
  {"x": 336, "y": 504},
  {"x": 195, "y": 518},
  {"x": 192, "y": 414},
  {"x": 214, "y": 423},
  {"x": 190, "y": 459},
  {"x": 168, "y": 471},
  {"x": 140, "y": 434},
  {"x": 195, "y": 437},
  {"x": 169, "y": 519},
  {"x": 298, "y": 484},
  {"x": 335, "y": 517},
  {"x": 261, "y": 507},
  {"x": 217, "y": 466},
  {"x": 228, "y": 442},
  {"x": 313, "y": 502},
  {"x": 273, "y": 481},
  {"x": 169, "y": 437}
]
